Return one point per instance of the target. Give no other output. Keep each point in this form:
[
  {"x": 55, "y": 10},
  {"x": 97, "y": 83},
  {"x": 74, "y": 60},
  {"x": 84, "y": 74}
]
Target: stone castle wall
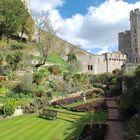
[
  {"x": 115, "y": 60},
  {"x": 97, "y": 64},
  {"x": 129, "y": 67}
]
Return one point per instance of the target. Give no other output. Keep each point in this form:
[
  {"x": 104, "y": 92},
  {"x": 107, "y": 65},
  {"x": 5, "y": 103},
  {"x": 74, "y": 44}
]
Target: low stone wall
[
  {"x": 129, "y": 67},
  {"x": 71, "y": 95}
]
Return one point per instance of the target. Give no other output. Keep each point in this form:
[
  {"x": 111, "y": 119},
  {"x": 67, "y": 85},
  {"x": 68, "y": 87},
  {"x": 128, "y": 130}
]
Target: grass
[
  {"x": 31, "y": 127},
  {"x": 58, "y": 94},
  {"x": 55, "y": 59},
  {"x": 2, "y": 99}
]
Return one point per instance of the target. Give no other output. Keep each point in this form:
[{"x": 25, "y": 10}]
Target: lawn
[
  {"x": 55, "y": 59},
  {"x": 31, "y": 127}
]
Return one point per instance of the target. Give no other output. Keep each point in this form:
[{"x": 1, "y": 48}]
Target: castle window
[
  {"x": 136, "y": 50},
  {"x": 135, "y": 40},
  {"x": 136, "y": 60},
  {"x": 135, "y": 31},
  {"x": 90, "y": 67}
]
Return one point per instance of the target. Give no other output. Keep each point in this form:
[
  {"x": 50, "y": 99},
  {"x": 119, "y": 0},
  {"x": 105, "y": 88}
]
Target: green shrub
[
  {"x": 3, "y": 90},
  {"x": 9, "y": 106},
  {"x": 57, "y": 86},
  {"x": 129, "y": 79},
  {"x": 101, "y": 78},
  {"x": 1, "y": 59},
  {"x": 1, "y": 110},
  {"x": 26, "y": 84},
  {"x": 115, "y": 89},
  {"x": 98, "y": 85},
  {"x": 41, "y": 76},
  {"x": 3, "y": 71},
  {"x": 129, "y": 103},
  {"x": 38, "y": 77},
  {"x": 14, "y": 61},
  {"x": 17, "y": 45},
  {"x": 22, "y": 95},
  {"x": 55, "y": 70},
  {"x": 133, "y": 128}
]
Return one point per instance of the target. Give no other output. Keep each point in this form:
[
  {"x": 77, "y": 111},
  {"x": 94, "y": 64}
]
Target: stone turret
[
  {"x": 124, "y": 43},
  {"x": 135, "y": 35},
  {"x": 129, "y": 41}
]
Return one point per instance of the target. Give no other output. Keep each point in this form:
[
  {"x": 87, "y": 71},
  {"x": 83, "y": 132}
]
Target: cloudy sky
[{"x": 91, "y": 24}]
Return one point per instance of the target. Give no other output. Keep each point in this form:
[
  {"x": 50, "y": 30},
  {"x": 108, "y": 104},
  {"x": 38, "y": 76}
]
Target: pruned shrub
[
  {"x": 48, "y": 114},
  {"x": 9, "y": 106}
]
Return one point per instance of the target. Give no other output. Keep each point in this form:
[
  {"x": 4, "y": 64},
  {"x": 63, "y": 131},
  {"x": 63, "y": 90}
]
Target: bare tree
[{"x": 45, "y": 34}]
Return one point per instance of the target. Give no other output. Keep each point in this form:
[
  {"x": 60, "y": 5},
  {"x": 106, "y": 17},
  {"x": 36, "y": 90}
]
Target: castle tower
[
  {"x": 135, "y": 35},
  {"x": 124, "y": 44}
]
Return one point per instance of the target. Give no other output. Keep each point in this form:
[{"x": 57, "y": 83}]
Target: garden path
[{"x": 115, "y": 124}]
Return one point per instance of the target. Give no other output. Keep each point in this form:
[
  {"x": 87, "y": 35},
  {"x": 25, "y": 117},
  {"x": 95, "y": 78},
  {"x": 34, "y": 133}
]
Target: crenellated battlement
[
  {"x": 125, "y": 33},
  {"x": 135, "y": 12}
]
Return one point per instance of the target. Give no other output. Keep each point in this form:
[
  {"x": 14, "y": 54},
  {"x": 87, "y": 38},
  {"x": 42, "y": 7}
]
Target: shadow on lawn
[
  {"x": 77, "y": 128},
  {"x": 70, "y": 113},
  {"x": 61, "y": 118},
  {"x": 68, "y": 117}
]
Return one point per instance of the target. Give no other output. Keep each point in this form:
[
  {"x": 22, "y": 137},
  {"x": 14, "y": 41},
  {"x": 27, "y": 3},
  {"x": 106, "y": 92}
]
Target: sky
[{"x": 91, "y": 24}]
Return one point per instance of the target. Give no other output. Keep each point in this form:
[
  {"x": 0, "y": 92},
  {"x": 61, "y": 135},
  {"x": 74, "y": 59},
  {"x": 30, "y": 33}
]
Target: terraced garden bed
[
  {"x": 70, "y": 100},
  {"x": 93, "y": 106}
]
